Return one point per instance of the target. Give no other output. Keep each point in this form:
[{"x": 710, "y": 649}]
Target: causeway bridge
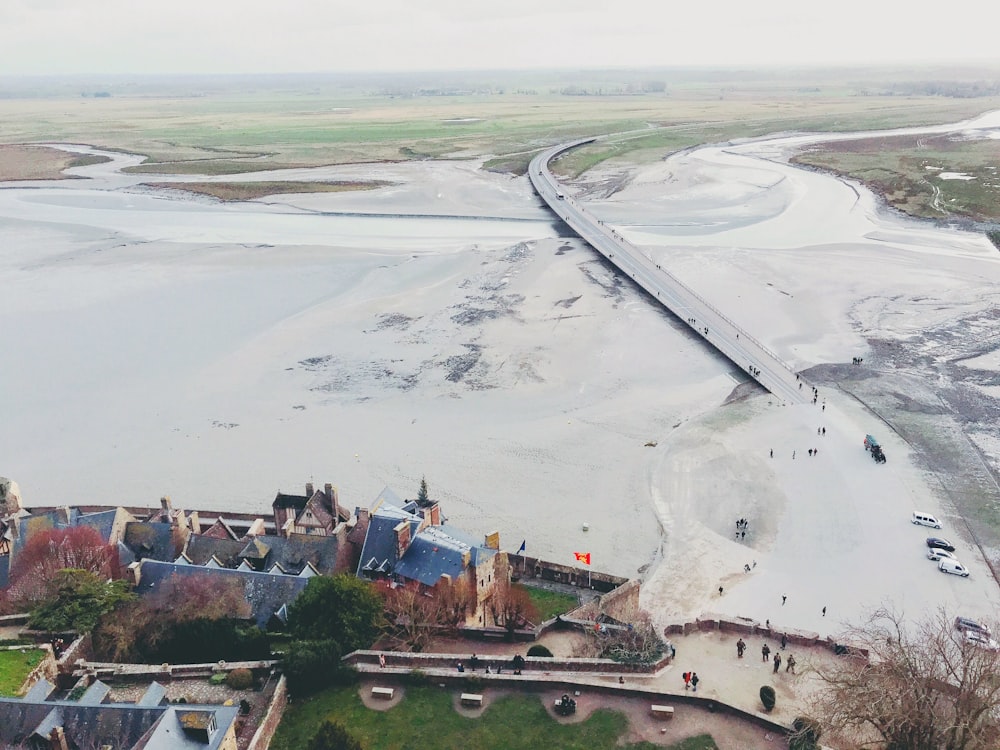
[{"x": 718, "y": 330}]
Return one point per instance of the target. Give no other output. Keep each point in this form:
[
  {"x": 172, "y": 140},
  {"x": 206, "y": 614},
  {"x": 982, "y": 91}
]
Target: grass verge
[
  {"x": 550, "y": 603},
  {"x": 15, "y": 667},
  {"x": 425, "y": 718}
]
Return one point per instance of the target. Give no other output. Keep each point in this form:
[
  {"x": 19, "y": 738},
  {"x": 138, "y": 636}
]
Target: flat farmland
[{"x": 232, "y": 130}]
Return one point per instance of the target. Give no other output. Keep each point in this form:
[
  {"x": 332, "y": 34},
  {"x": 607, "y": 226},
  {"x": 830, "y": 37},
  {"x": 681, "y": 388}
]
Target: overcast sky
[{"x": 251, "y": 36}]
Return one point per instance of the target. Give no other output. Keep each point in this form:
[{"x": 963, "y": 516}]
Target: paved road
[{"x": 749, "y": 354}]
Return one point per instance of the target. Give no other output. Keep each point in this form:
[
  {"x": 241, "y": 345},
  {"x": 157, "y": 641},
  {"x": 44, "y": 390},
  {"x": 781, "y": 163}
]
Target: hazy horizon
[{"x": 113, "y": 37}]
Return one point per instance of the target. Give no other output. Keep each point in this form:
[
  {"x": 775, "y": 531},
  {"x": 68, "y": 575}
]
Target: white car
[
  {"x": 936, "y": 554},
  {"x": 981, "y": 639}
]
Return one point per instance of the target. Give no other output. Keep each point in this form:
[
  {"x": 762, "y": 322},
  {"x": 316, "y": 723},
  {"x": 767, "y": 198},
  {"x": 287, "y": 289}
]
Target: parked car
[
  {"x": 977, "y": 638},
  {"x": 933, "y": 541},
  {"x": 964, "y": 624},
  {"x": 936, "y": 553},
  {"x": 925, "y": 519},
  {"x": 954, "y": 567}
]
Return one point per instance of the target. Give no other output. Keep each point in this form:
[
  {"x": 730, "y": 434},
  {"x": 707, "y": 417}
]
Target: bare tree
[
  {"x": 636, "y": 642},
  {"x": 925, "y": 687},
  {"x": 417, "y": 613},
  {"x": 512, "y": 608}
]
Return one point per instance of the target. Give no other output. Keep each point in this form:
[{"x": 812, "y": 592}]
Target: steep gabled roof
[
  {"x": 282, "y": 500},
  {"x": 378, "y": 555}
]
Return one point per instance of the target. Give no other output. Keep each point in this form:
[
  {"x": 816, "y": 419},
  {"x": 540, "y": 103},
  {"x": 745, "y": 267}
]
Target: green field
[
  {"x": 15, "y": 666},
  {"x": 218, "y": 126},
  {"x": 426, "y": 718}
]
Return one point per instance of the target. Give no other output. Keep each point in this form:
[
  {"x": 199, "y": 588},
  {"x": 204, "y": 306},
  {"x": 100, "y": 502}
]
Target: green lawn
[
  {"x": 425, "y": 718},
  {"x": 550, "y": 603},
  {"x": 15, "y": 666}
]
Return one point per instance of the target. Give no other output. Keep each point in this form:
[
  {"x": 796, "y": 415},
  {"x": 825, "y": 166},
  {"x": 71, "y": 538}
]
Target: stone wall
[
  {"x": 622, "y": 604},
  {"x": 45, "y": 669},
  {"x": 535, "y": 664},
  {"x": 752, "y": 627},
  {"x": 532, "y": 567},
  {"x": 269, "y": 724}
]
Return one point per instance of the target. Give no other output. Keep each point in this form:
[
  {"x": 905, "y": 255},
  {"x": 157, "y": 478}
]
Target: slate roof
[
  {"x": 120, "y": 725},
  {"x": 201, "y": 549},
  {"x": 169, "y": 733},
  {"x": 4, "y": 571},
  {"x": 117, "y": 725},
  {"x": 433, "y": 552},
  {"x": 378, "y": 555},
  {"x": 103, "y": 522},
  {"x": 294, "y": 551},
  {"x": 150, "y": 540},
  {"x": 437, "y": 551},
  {"x": 265, "y": 593}
]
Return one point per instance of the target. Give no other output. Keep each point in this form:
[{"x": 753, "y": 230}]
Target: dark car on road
[{"x": 933, "y": 541}]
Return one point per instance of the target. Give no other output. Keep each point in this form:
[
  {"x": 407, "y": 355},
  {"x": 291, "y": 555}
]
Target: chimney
[
  {"x": 402, "y": 538},
  {"x": 195, "y": 522},
  {"x": 135, "y": 573},
  {"x": 165, "y": 503},
  {"x": 331, "y": 497},
  {"x": 435, "y": 514},
  {"x": 309, "y": 490},
  {"x": 57, "y": 739}
]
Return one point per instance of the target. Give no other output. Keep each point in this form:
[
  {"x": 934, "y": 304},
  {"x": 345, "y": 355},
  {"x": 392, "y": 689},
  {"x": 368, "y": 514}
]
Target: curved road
[{"x": 749, "y": 354}]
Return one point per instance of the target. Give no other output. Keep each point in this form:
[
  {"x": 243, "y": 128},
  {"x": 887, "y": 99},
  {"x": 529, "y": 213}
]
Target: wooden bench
[
  {"x": 472, "y": 699},
  {"x": 662, "y": 712},
  {"x": 383, "y": 692}
]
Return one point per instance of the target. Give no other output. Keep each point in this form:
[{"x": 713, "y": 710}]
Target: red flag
[{"x": 583, "y": 557}]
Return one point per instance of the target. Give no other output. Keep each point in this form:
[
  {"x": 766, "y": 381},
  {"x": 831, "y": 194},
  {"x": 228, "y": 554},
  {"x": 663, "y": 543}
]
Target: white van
[
  {"x": 925, "y": 519},
  {"x": 953, "y": 566}
]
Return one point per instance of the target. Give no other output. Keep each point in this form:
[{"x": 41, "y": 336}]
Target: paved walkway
[{"x": 712, "y": 655}]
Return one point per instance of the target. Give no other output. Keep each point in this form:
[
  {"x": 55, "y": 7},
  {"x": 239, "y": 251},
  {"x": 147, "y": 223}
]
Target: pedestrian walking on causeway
[
  {"x": 783, "y": 597},
  {"x": 687, "y": 680},
  {"x": 790, "y": 664},
  {"x": 740, "y": 648},
  {"x": 777, "y": 662},
  {"x": 784, "y": 641},
  {"x": 694, "y": 681},
  {"x": 720, "y": 590},
  {"x": 793, "y": 454},
  {"x": 381, "y": 660},
  {"x": 772, "y": 452},
  {"x": 765, "y": 652}
]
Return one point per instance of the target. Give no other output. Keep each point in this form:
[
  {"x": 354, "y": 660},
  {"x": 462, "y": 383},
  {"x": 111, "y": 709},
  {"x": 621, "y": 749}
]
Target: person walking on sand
[
  {"x": 783, "y": 597},
  {"x": 790, "y": 664},
  {"x": 784, "y": 641},
  {"x": 772, "y": 452},
  {"x": 824, "y": 611},
  {"x": 777, "y": 662},
  {"x": 740, "y": 648},
  {"x": 694, "y": 681},
  {"x": 720, "y": 590},
  {"x": 765, "y": 652}
]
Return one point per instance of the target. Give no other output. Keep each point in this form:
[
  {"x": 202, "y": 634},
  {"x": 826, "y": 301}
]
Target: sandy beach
[{"x": 445, "y": 327}]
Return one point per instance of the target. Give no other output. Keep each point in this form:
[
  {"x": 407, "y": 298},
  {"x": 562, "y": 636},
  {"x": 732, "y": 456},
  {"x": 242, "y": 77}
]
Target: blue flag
[{"x": 521, "y": 548}]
